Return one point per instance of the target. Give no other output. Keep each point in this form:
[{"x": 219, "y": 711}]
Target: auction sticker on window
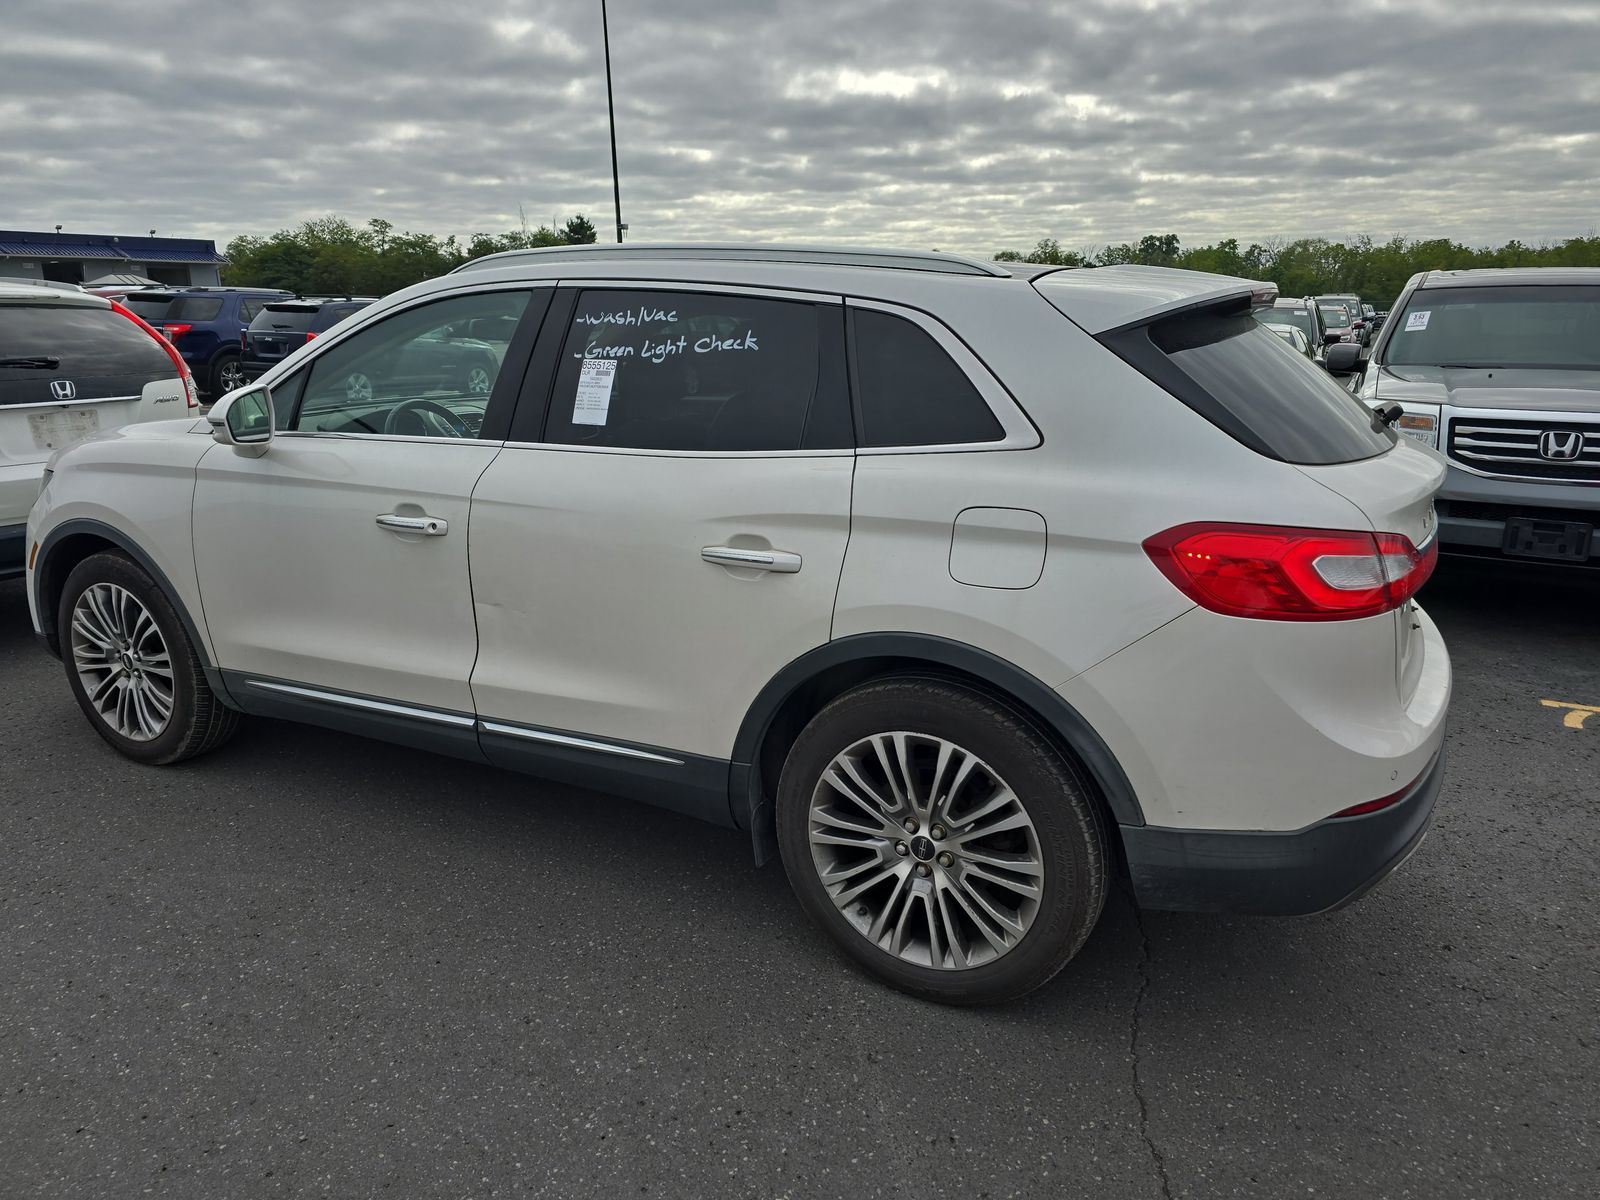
[
  {"x": 593, "y": 400},
  {"x": 1418, "y": 320}
]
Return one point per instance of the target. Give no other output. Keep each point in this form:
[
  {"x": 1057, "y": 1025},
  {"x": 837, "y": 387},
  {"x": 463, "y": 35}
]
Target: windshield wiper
[
  {"x": 41, "y": 361},
  {"x": 1470, "y": 367}
]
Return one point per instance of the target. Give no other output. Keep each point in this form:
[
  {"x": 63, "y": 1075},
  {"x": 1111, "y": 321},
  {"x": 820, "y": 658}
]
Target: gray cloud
[{"x": 961, "y": 124}]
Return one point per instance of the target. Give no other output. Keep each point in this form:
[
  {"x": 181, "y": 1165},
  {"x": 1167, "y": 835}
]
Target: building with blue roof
[{"x": 86, "y": 257}]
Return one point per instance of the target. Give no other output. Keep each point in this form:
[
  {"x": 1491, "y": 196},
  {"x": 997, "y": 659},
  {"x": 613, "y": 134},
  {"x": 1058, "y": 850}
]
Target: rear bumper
[
  {"x": 1473, "y": 509},
  {"x": 1279, "y": 874}
]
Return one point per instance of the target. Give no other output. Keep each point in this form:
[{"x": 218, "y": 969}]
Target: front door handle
[
  {"x": 782, "y": 562},
  {"x": 429, "y": 526}
]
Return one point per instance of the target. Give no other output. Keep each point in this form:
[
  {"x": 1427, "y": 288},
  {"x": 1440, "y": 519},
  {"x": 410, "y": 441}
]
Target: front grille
[{"x": 1505, "y": 446}]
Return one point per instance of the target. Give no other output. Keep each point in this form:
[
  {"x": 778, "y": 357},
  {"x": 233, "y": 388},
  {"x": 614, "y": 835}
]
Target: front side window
[
  {"x": 1533, "y": 326},
  {"x": 424, "y": 372},
  {"x": 911, "y": 392},
  {"x": 686, "y": 371}
]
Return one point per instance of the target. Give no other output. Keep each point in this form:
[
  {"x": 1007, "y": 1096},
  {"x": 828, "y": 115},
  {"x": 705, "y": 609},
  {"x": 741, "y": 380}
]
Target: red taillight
[
  {"x": 309, "y": 335},
  {"x": 1370, "y": 806},
  {"x": 174, "y": 332},
  {"x": 1284, "y": 574},
  {"x": 244, "y": 340},
  {"x": 191, "y": 393}
]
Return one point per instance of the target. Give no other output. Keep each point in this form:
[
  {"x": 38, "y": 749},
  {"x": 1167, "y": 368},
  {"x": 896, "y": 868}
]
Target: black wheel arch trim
[
  {"x": 1004, "y": 680},
  {"x": 110, "y": 533}
]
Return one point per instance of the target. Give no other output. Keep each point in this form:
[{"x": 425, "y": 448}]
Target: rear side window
[
  {"x": 1253, "y": 386},
  {"x": 194, "y": 309},
  {"x": 910, "y": 391},
  {"x": 99, "y": 352},
  {"x": 686, "y": 371}
]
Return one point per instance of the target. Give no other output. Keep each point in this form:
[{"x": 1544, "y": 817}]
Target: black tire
[
  {"x": 227, "y": 366},
  {"x": 1052, "y": 791},
  {"x": 198, "y": 720}
]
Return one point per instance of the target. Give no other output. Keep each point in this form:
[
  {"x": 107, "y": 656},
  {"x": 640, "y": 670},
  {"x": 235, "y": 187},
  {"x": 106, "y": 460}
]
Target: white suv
[
  {"x": 968, "y": 591},
  {"x": 70, "y": 365}
]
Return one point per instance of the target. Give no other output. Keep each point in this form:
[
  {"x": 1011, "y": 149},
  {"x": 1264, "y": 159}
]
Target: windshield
[
  {"x": 1533, "y": 326},
  {"x": 1335, "y": 316}
]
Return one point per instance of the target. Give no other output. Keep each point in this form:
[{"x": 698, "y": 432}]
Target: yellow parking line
[{"x": 1579, "y": 714}]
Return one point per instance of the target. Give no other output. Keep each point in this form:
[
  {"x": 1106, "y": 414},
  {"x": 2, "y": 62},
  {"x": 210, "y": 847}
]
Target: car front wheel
[
  {"x": 131, "y": 666},
  {"x": 940, "y": 841}
]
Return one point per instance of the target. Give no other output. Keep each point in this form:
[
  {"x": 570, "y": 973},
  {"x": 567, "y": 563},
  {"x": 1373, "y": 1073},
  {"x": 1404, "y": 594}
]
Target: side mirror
[
  {"x": 1343, "y": 359},
  {"x": 1329, "y": 338},
  {"x": 243, "y": 420}
]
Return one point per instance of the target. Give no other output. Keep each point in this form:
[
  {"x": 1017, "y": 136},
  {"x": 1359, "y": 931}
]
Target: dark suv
[
  {"x": 205, "y": 324},
  {"x": 283, "y": 326}
]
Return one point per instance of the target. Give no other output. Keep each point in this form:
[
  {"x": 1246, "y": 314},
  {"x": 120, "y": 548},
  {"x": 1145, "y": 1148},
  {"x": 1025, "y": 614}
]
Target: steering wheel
[{"x": 423, "y": 408}]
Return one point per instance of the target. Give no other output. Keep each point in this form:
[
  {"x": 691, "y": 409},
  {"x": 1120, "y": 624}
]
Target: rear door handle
[
  {"x": 781, "y": 562},
  {"x": 429, "y": 526}
]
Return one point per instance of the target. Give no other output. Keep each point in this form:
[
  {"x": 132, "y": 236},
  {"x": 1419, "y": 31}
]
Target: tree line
[
  {"x": 331, "y": 256},
  {"x": 1376, "y": 271}
]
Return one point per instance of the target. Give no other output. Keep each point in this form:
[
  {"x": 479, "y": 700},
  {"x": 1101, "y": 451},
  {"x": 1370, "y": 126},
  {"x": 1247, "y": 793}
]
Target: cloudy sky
[{"x": 965, "y": 124}]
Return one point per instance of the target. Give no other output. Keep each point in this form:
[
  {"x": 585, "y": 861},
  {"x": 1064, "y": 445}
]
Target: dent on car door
[
  {"x": 659, "y": 548},
  {"x": 314, "y": 565}
]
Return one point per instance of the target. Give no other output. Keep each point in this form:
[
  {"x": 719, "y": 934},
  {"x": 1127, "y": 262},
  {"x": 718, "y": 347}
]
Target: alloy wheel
[
  {"x": 926, "y": 851},
  {"x": 122, "y": 661},
  {"x": 231, "y": 376},
  {"x": 478, "y": 381},
  {"x": 357, "y": 387}
]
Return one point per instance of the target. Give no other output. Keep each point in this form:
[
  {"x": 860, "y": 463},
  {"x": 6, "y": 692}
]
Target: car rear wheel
[
  {"x": 227, "y": 374},
  {"x": 940, "y": 841},
  {"x": 131, "y": 666}
]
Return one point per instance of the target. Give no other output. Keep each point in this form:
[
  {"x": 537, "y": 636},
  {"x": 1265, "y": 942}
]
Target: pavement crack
[{"x": 1157, "y": 1159}]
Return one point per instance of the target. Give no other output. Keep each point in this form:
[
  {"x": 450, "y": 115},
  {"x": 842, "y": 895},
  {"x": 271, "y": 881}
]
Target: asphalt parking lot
[{"x": 313, "y": 966}]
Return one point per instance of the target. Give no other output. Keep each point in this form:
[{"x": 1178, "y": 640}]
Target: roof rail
[{"x": 833, "y": 256}]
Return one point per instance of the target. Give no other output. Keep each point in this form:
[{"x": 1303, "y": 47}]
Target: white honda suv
[{"x": 967, "y": 591}]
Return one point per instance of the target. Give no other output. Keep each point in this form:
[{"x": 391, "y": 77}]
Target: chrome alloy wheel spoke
[
  {"x": 122, "y": 661},
  {"x": 926, "y": 851}
]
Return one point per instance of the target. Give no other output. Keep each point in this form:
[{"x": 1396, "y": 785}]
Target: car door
[
  {"x": 333, "y": 567},
  {"x": 653, "y": 553}
]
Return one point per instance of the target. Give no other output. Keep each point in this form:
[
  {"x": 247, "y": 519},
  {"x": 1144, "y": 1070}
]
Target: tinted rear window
[
  {"x": 332, "y": 314},
  {"x": 284, "y": 318},
  {"x": 151, "y": 308},
  {"x": 194, "y": 308},
  {"x": 1251, "y": 384},
  {"x": 100, "y": 352}
]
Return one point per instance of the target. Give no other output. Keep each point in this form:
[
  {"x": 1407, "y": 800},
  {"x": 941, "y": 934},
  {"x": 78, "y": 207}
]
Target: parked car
[
  {"x": 963, "y": 589},
  {"x": 71, "y": 365},
  {"x": 1500, "y": 371},
  {"x": 1303, "y": 314},
  {"x": 1339, "y": 322},
  {"x": 1295, "y": 338},
  {"x": 283, "y": 326},
  {"x": 1358, "y": 313},
  {"x": 205, "y": 324}
]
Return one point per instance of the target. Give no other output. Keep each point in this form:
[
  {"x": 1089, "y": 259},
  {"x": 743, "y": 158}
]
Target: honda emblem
[
  {"x": 1560, "y": 445},
  {"x": 63, "y": 389}
]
